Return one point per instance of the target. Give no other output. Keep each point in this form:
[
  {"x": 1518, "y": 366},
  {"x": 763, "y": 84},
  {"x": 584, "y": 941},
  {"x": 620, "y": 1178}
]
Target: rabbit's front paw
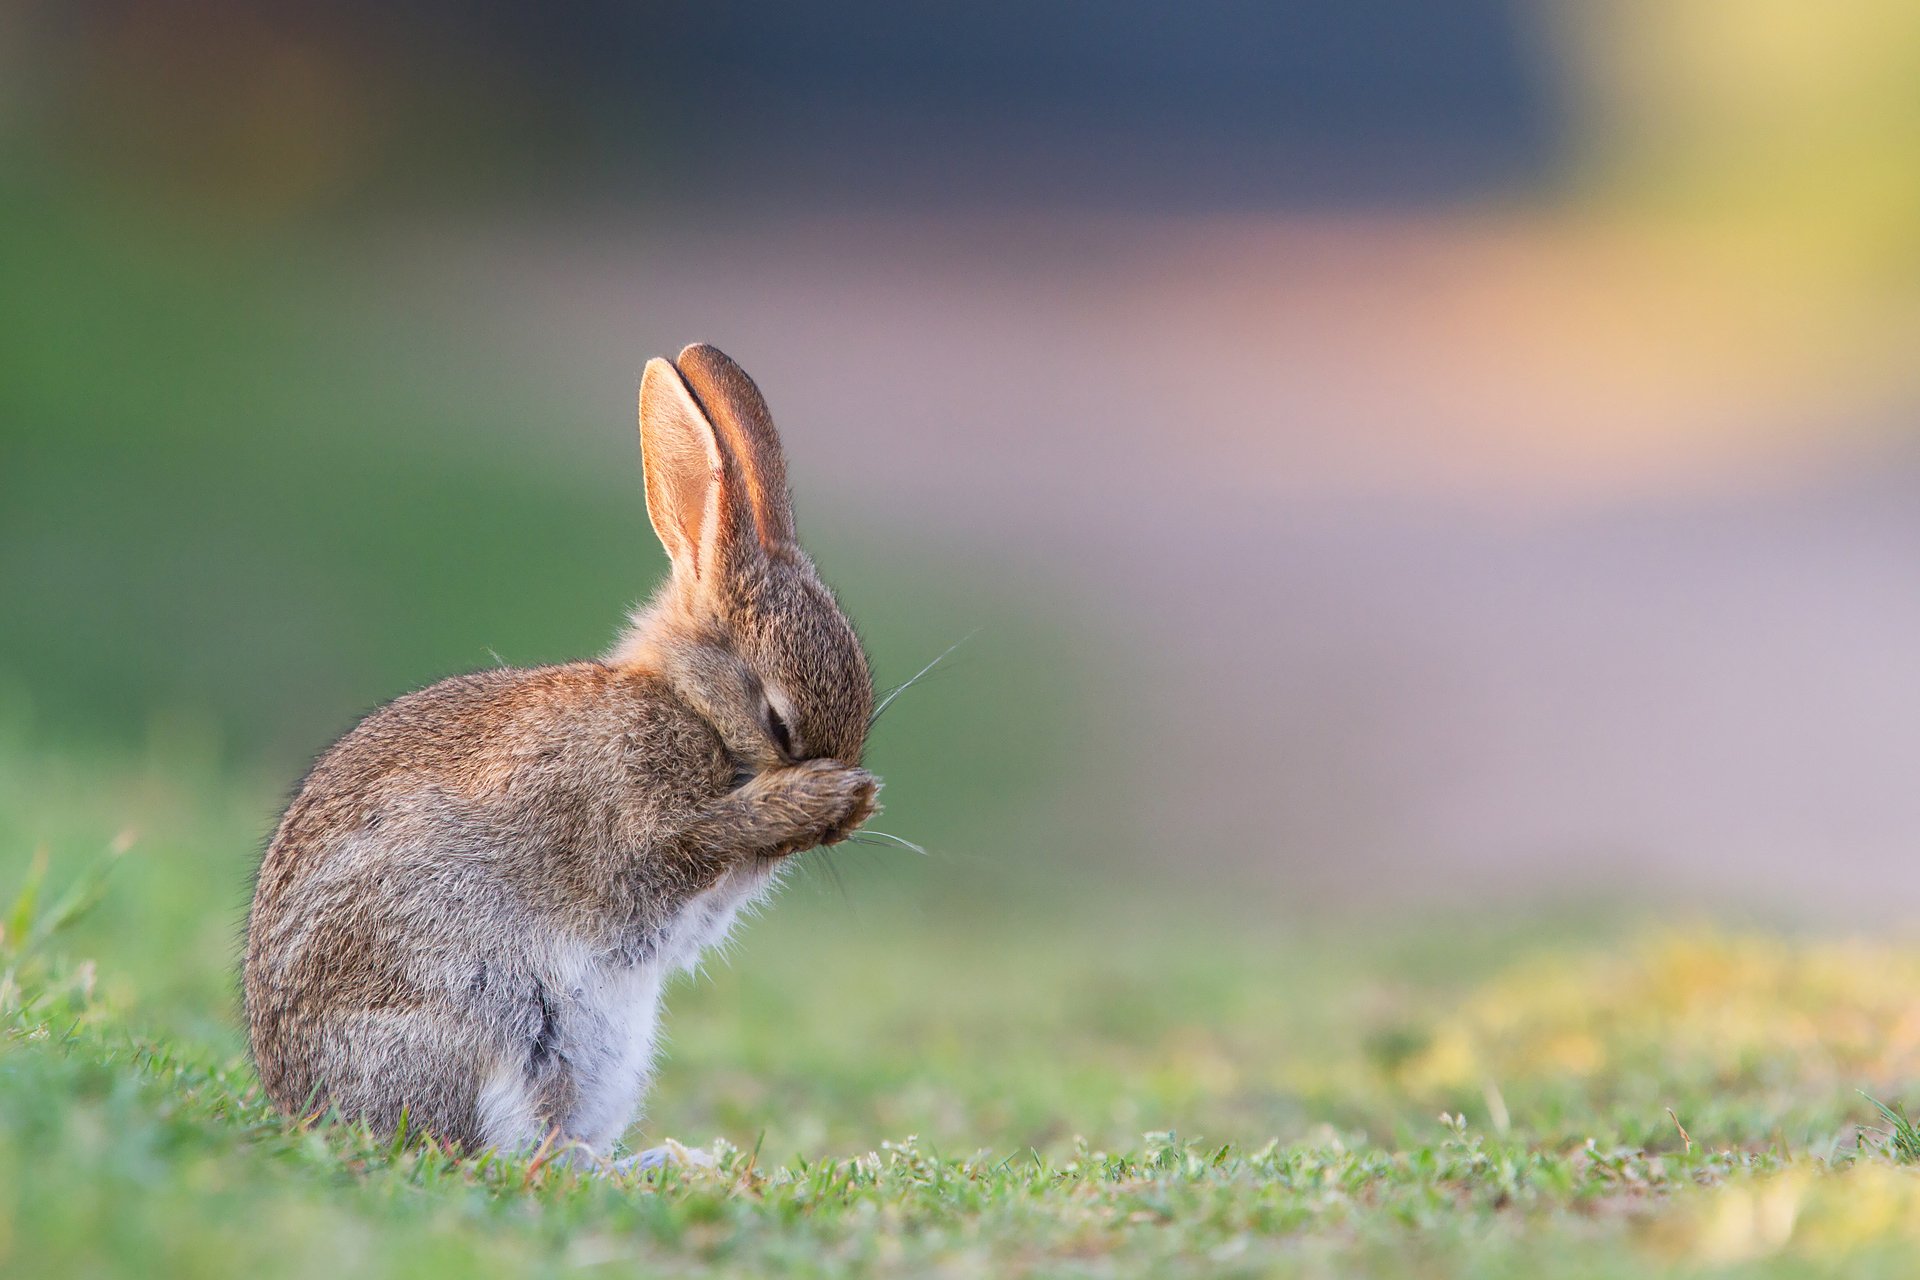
[{"x": 824, "y": 802}]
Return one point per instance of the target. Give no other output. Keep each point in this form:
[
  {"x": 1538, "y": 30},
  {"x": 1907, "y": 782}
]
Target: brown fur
[{"x": 437, "y": 859}]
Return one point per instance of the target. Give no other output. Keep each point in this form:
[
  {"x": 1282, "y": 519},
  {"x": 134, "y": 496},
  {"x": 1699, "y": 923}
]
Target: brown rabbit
[{"x": 468, "y": 912}]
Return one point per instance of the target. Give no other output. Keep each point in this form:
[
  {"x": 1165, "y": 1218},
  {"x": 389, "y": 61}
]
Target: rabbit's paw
[{"x": 824, "y": 801}]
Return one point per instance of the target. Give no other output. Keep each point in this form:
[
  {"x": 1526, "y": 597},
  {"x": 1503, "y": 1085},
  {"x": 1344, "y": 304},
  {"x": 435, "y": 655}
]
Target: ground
[{"x": 901, "y": 1077}]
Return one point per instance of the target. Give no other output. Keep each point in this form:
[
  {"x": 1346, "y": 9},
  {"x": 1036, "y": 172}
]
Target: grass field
[{"x": 1030, "y": 1081}]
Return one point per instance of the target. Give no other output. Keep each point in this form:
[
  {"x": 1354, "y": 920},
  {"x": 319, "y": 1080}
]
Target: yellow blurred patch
[
  {"x": 1801, "y": 1213},
  {"x": 1704, "y": 1005}
]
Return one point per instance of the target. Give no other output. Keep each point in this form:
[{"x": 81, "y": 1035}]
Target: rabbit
[{"x": 464, "y": 921}]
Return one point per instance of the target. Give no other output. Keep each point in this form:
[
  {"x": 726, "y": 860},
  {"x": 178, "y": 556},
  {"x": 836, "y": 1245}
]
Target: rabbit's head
[{"x": 743, "y": 630}]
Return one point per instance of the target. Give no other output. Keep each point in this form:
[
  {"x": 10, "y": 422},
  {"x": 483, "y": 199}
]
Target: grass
[{"x": 1049, "y": 1083}]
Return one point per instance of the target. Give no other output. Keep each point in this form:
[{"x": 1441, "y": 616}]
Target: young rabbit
[{"x": 468, "y": 912}]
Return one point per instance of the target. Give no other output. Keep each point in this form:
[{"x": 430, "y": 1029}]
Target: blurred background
[{"x": 1383, "y": 453}]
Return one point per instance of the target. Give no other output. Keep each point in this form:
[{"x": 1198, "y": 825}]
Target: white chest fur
[{"x": 608, "y": 1009}]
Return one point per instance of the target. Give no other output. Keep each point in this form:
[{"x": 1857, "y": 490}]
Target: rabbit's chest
[
  {"x": 613, "y": 1017},
  {"x": 611, "y": 1022}
]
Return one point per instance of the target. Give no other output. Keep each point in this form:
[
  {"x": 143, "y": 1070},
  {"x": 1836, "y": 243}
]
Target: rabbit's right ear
[
  {"x": 735, "y": 406},
  {"x": 687, "y": 475}
]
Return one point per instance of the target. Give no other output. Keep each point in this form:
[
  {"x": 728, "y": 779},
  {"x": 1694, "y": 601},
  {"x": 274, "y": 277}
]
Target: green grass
[{"x": 1036, "y": 1082}]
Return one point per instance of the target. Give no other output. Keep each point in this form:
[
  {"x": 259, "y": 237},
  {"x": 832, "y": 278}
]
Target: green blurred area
[{"x": 245, "y": 498}]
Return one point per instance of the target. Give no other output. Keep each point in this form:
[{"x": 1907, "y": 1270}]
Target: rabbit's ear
[
  {"x": 735, "y": 407},
  {"x": 686, "y": 473}
]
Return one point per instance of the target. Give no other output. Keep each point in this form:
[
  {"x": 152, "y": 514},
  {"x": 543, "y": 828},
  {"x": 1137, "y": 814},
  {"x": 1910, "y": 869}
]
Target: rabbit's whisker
[
  {"x": 826, "y": 860},
  {"x": 887, "y": 699},
  {"x": 890, "y": 838}
]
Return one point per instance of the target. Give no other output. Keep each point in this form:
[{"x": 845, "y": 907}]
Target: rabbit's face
[
  {"x": 773, "y": 665},
  {"x": 809, "y": 664}
]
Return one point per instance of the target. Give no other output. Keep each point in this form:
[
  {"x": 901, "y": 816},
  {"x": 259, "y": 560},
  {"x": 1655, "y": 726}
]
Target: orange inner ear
[
  {"x": 689, "y": 502},
  {"x": 763, "y": 516},
  {"x": 684, "y": 470}
]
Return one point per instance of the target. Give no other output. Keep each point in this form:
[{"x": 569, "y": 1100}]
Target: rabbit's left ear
[
  {"x": 738, "y": 412},
  {"x": 690, "y": 484}
]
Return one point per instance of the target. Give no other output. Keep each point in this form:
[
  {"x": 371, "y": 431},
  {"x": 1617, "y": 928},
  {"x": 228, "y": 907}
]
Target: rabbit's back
[{"x": 442, "y": 862}]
